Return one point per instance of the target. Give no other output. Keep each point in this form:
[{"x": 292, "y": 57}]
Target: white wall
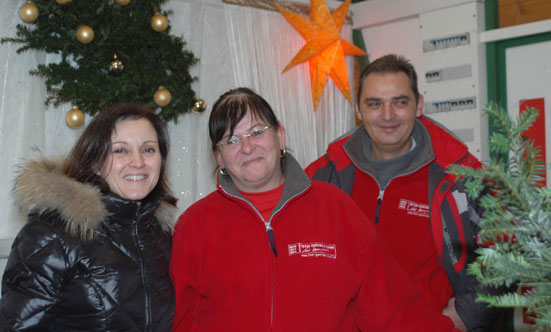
[
  {"x": 377, "y": 12},
  {"x": 392, "y": 26},
  {"x": 400, "y": 36},
  {"x": 529, "y": 81}
]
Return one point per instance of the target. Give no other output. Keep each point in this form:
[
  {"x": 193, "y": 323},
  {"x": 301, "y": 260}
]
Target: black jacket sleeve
[
  {"x": 33, "y": 278},
  {"x": 477, "y": 316}
]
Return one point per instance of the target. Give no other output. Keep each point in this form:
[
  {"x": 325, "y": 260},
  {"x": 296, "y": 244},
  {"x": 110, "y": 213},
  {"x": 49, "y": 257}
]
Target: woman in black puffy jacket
[{"x": 94, "y": 253}]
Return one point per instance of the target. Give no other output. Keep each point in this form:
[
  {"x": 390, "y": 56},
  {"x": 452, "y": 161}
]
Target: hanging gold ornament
[
  {"x": 122, "y": 2},
  {"x": 159, "y": 22},
  {"x": 162, "y": 96},
  {"x": 62, "y": 2},
  {"x": 85, "y": 34},
  {"x": 28, "y": 12},
  {"x": 74, "y": 118},
  {"x": 199, "y": 106},
  {"x": 116, "y": 67}
]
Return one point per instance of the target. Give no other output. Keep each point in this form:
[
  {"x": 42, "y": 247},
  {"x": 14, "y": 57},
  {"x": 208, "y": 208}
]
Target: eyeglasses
[{"x": 233, "y": 142}]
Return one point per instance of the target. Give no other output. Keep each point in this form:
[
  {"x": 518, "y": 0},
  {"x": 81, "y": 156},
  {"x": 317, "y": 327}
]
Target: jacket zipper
[
  {"x": 271, "y": 239},
  {"x": 382, "y": 192},
  {"x": 269, "y": 229},
  {"x": 270, "y": 232},
  {"x": 144, "y": 277},
  {"x": 379, "y": 203},
  {"x": 272, "y": 298}
]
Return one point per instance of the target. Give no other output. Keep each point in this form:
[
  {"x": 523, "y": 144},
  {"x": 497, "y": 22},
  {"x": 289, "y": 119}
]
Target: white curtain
[{"x": 237, "y": 46}]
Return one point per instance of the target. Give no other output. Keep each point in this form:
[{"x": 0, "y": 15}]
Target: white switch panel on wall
[{"x": 453, "y": 72}]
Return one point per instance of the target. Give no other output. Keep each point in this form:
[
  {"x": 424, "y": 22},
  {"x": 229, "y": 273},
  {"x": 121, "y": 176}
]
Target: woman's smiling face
[{"x": 133, "y": 166}]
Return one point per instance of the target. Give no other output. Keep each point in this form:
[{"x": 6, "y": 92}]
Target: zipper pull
[
  {"x": 379, "y": 202},
  {"x": 271, "y": 238}
]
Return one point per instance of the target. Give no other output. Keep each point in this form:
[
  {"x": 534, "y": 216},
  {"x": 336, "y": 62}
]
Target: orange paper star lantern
[{"x": 324, "y": 49}]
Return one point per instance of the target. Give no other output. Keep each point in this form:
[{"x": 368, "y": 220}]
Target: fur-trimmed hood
[{"x": 41, "y": 186}]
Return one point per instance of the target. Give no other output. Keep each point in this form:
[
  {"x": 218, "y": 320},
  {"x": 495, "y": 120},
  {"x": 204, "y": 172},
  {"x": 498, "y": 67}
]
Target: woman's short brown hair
[{"x": 232, "y": 106}]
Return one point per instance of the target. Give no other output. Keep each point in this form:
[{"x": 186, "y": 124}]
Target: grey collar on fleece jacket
[
  {"x": 296, "y": 182},
  {"x": 356, "y": 144},
  {"x": 41, "y": 186}
]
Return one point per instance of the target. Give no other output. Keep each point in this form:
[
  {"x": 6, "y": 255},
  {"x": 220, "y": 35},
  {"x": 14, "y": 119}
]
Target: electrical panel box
[
  {"x": 449, "y": 73},
  {"x": 453, "y": 74},
  {"x": 440, "y": 43}
]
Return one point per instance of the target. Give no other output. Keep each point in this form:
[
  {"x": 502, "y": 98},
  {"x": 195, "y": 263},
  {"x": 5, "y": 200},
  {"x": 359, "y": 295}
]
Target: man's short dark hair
[{"x": 390, "y": 63}]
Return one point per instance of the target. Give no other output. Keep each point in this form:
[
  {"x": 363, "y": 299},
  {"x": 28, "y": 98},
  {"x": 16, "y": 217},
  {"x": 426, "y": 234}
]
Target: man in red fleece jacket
[{"x": 394, "y": 167}]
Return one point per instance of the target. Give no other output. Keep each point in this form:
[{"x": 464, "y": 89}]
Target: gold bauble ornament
[
  {"x": 28, "y": 12},
  {"x": 159, "y": 22},
  {"x": 85, "y": 34},
  {"x": 74, "y": 118},
  {"x": 162, "y": 96},
  {"x": 116, "y": 67},
  {"x": 62, "y": 2},
  {"x": 199, "y": 106},
  {"x": 122, "y": 2}
]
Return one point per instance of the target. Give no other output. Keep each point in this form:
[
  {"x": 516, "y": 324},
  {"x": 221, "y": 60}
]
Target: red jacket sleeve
[
  {"x": 387, "y": 291},
  {"x": 185, "y": 265},
  {"x": 316, "y": 165}
]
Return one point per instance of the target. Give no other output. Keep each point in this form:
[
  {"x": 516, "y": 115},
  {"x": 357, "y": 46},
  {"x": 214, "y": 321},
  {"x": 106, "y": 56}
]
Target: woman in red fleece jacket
[{"x": 271, "y": 250}]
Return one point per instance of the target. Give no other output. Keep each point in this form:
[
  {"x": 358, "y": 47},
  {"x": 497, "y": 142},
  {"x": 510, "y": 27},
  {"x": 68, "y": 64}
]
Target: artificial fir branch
[
  {"x": 81, "y": 76},
  {"x": 516, "y": 223}
]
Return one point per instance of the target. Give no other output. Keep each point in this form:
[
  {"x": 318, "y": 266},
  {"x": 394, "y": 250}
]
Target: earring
[
  {"x": 222, "y": 171},
  {"x": 283, "y": 152}
]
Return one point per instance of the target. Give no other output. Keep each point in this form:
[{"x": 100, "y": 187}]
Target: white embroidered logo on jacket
[
  {"x": 413, "y": 208},
  {"x": 313, "y": 250}
]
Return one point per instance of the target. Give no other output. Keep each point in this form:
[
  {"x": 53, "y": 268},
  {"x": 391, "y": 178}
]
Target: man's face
[{"x": 388, "y": 111}]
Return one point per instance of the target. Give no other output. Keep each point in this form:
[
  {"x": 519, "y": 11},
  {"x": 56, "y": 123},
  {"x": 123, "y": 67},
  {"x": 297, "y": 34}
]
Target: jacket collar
[
  {"x": 448, "y": 148},
  {"x": 356, "y": 147},
  {"x": 296, "y": 182},
  {"x": 41, "y": 186},
  {"x": 125, "y": 210}
]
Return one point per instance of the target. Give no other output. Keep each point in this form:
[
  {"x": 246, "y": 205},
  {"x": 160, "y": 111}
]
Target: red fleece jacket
[{"x": 332, "y": 273}]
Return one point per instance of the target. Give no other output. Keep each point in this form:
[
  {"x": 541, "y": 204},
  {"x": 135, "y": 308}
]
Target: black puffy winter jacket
[{"x": 86, "y": 261}]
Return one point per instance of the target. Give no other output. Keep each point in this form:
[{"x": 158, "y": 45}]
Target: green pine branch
[
  {"x": 516, "y": 223},
  {"x": 151, "y": 59}
]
